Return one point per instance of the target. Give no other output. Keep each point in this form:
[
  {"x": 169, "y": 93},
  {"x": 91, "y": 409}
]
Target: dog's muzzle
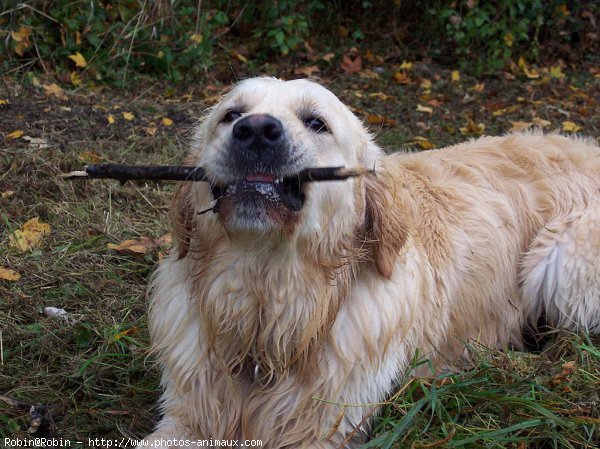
[{"x": 266, "y": 187}]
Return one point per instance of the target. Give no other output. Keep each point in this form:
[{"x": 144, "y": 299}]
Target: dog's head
[{"x": 254, "y": 143}]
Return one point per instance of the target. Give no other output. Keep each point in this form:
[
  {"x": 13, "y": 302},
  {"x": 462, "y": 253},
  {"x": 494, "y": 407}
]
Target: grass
[
  {"x": 92, "y": 374},
  {"x": 508, "y": 399}
]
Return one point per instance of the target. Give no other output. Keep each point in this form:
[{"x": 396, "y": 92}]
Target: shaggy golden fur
[{"x": 285, "y": 327}]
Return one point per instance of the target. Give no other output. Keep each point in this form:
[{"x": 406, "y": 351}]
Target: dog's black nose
[{"x": 258, "y": 138}]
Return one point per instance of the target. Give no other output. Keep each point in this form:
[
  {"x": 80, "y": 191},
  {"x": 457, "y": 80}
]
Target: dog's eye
[
  {"x": 231, "y": 116},
  {"x": 316, "y": 124}
]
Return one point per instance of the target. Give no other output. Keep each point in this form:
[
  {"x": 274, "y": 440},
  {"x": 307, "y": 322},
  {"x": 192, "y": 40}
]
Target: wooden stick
[{"x": 183, "y": 173}]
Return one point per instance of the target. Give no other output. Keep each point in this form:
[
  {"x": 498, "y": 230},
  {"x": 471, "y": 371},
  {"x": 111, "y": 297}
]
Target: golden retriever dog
[{"x": 287, "y": 308}]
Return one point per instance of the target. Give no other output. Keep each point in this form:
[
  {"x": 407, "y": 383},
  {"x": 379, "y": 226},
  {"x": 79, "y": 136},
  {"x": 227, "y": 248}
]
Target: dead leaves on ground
[
  {"x": 29, "y": 236},
  {"x": 143, "y": 245}
]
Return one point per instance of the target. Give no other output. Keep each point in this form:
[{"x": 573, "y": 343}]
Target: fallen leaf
[
  {"x": 307, "y": 71},
  {"x": 425, "y": 84},
  {"x": 406, "y": 65},
  {"x": 128, "y": 116},
  {"x": 29, "y": 236},
  {"x": 556, "y": 72},
  {"x": 570, "y": 127},
  {"x": 351, "y": 63},
  {"x": 503, "y": 111},
  {"x": 541, "y": 122},
  {"x": 89, "y": 157},
  {"x": 4, "y": 102},
  {"x": 381, "y": 96},
  {"x": 110, "y": 118},
  {"x": 472, "y": 128},
  {"x": 455, "y": 76},
  {"x": 75, "y": 79},
  {"x": 166, "y": 121},
  {"x": 126, "y": 332},
  {"x": 424, "y": 143},
  {"x": 328, "y": 57},
  {"x": 141, "y": 246},
  {"x": 7, "y": 194},
  {"x": 426, "y": 109},
  {"x": 79, "y": 60},
  {"x": 6, "y": 274},
  {"x": 151, "y": 130},
  {"x": 530, "y": 73},
  {"x": 380, "y": 120},
  {"x": 519, "y": 126},
  {"x": 21, "y": 37},
  {"x": 15, "y": 134},
  {"x": 402, "y": 78},
  {"x": 479, "y": 87},
  {"x": 240, "y": 57},
  {"x": 435, "y": 103},
  {"x": 197, "y": 38},
  {"x": 54, "y": 90}
]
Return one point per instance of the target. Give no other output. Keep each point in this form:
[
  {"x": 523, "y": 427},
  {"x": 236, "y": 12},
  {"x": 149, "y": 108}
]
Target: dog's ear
[
  {"x": 182, "y": 216},
  {"x": 385, "y": 221}
]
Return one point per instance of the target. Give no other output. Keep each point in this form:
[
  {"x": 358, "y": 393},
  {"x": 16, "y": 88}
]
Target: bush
[
  {"x": 485, "y": 35},
  {"x": 113, "y": 40}
]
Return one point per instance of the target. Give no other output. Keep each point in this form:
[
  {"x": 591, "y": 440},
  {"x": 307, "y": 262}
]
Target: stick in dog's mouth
[{"x": 124, "y": 173}]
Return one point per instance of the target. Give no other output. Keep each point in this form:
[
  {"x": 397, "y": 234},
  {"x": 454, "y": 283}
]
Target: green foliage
[
  {"x": 485, "y": 35},
  {"x": 115, "y": 38},
  {"x": 177, "y": 39}
]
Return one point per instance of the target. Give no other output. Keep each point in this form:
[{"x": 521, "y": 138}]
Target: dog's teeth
[{"x": 278, "y": 180}]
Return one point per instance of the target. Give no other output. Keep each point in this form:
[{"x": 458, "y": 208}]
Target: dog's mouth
[{"x": 260, "y": 191}]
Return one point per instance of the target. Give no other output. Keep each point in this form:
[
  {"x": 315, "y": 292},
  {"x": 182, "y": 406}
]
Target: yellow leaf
[
  {"x": 132, "y": 331},
  {"x": 556, "y": 72},
  {"x": 499, "y": 112},
  {"x": 570, "y": 127},
  {"x": 75, "y": 79},
  {"x": 29, "y": 236},
  {"x": 455, "y": 76},
  {"x": 425, "y": 84},
  {"x": 54, "y": 90},
  {"x": 151, "y": 130},
  {"x": 519, "y": 126},
  {"x": 472, "y": 128},
  {"x": 166, "y": 121},
  {"x": 479, "y": 87},
  {"x": 197, "y": 38},
  {"x": 406, "y": 65},
  {"x": 424, "y": 143},
  {"x": 22, "y": 34},
  {"x": 530, "y": 73},
  {"x": 4, "y": 102},
  {"x": 110, "y": 118},
  {"x": 130, "y": 246},
  {"x": 15, "y": 134},
  {"x": 402, "y": 78},
  {"x": 541, "y": 122},
  {"x": 508, "y": 39},
  {"x": 79, "y": 60},
  {"x": 7, "y": 194},
  {"x": 7, "y": 274},
  {"x": 240, "y": 56},
  {"x": 128, "y": 116},
  {"x": 426, "y": 109}
]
